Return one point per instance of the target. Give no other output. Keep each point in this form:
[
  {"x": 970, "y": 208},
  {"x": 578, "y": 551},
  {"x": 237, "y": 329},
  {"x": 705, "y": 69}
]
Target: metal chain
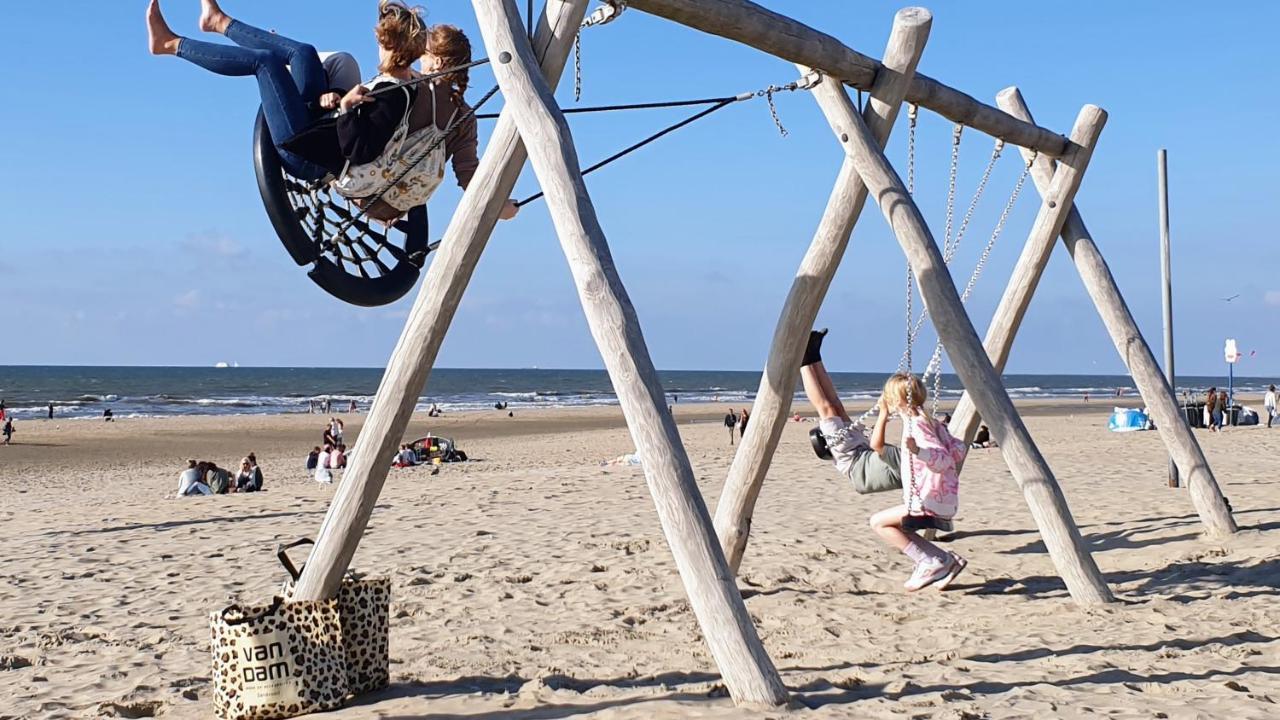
[
  {"x": 935, "y": 363},
  {"x": 947, "y": 240},
  {"x": 773, "y": 109},
  {"x": 977, "y": 195},
  {"x": 577, "y": 66},
  {"x": 603, "y": 15},
  {"x": 913, "y": 112}
]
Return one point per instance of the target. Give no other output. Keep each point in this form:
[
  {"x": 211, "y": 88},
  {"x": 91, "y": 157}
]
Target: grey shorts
[{"x": 868, "y": 471}]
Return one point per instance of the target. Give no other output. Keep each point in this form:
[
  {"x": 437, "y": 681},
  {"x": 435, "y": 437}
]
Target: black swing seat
[
  {"x": 364, "y": 264},
  {"x": 926, "y": 522}
]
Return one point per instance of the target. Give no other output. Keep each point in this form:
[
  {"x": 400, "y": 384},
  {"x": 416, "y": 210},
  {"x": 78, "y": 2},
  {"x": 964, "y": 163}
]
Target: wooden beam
[
  {"x": 1054, "y": 208},
  {"x": 782, "y": 371},
  {"x": 748, "y": 672},
  {"x": 1044, "y": 497},
  {"x": 749, "y": 23},
  {"x": 424, "y": 331},
  {"x": 1152, "y": 384}
]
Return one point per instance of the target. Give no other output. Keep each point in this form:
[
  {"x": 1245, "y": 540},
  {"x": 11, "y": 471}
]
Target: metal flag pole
[{"x": 1162, "y": 166}]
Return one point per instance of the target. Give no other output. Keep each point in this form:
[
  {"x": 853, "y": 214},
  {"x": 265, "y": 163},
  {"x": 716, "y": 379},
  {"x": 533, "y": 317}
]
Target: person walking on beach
[
  {"x": 1269, "y": 404},
  {"x": 50, "y": 411},
  {"x": 731, "y": 422},
  {"x": 742, "y": 423},
  {"x": 8, "y": 430}
]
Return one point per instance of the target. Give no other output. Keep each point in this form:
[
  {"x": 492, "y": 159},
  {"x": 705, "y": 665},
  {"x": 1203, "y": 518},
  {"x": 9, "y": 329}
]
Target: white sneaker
[
  {"x": 958, "y": 564},
  {"x": 928, "y": 571}
]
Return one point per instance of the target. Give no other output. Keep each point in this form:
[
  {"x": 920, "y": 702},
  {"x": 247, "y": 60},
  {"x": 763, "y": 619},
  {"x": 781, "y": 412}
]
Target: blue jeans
[{"x": 290, "y": 77}]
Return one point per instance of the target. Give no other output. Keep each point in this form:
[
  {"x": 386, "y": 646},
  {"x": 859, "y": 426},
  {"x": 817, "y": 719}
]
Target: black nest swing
[{"x": 355, "y": 260}]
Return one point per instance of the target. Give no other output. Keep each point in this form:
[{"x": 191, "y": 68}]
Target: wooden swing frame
[{"x": 533, "y": 127}]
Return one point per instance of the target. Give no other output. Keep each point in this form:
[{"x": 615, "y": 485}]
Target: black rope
[
  {"x": 635, "y": 106},
  {"x": 429, "y": 76},
  {"x": 619, "y": 155}
]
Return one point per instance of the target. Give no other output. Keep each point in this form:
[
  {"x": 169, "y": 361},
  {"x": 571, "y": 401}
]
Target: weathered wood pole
[
  {"x": 1054, "y": 208},
  {"x": 1044, "y": 497},
  {"x": 1156, "y": 392},
  {"x": 776, "y": 34},
  {"x": 748, "y": 672},
  {"x": 813, "y": 279},
  {"x": 425, "y": 329}
]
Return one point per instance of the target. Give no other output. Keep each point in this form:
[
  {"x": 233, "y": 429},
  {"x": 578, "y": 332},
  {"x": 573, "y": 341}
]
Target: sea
[{"x": 85, "y": 392}]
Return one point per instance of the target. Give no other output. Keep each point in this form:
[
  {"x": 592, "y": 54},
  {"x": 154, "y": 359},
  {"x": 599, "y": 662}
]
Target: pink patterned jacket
[{"x": 937, "y": 484}]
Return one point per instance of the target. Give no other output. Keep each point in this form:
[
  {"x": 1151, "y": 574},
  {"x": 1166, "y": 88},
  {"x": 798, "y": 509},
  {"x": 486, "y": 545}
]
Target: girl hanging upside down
[
  {"x": 930, "y": 485},
  {"x": 295, "y": 93}
]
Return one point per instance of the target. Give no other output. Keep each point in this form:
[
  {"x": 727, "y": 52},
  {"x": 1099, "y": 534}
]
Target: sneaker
[
  {"x": 927, "y": 572},
  {"x": 958, "y": 564}
]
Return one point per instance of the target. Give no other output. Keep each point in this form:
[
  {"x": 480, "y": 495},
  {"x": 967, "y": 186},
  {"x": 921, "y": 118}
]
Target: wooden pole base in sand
[
  {"x": 782, "y": 371},
  {"x": 748, "y": 672},
  {"x": 1044, "y": 498}
]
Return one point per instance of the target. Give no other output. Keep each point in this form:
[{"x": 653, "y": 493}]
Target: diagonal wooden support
[
  {"x": 1134, "y": 351},
  {"x": 1044, "y": 497},
  {"x": 1055, "y": 206},
  {"x": 782, "y": 370},
  {"x": 428, "y": 322},
  {"x": 748, "y": 672}
]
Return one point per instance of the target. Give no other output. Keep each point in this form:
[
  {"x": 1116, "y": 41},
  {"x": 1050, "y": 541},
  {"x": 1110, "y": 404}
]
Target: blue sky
[{"x": 135, "y": 233}]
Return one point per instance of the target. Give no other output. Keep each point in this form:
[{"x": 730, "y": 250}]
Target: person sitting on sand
[
  {"x": 257, "y": 471},
  {"x": 338, "y": 457},
  {"x": 219, "y": 479},
  {"x": 406, "y": 457},
  {"x": 983, "y": 438},
  {"x": 323, "y": 473},
  {"x": 191, "y": 481},
  {"x": 249, "y": 479},
  {"x": 313, "y": 458},
  {"x": 871, "y": 465}
]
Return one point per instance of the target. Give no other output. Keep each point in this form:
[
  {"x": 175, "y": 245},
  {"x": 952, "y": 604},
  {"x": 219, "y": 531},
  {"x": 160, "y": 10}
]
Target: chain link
[
  {"x": 773, "y": 109},
  {"x": 947, "y": 238}
]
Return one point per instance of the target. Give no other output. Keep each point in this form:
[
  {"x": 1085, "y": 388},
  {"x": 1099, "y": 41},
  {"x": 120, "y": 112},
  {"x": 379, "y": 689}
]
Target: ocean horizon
[{"x": 86, "y": 392}]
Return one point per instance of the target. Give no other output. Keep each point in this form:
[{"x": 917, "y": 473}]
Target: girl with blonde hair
[{"x": 930, "y": 483}]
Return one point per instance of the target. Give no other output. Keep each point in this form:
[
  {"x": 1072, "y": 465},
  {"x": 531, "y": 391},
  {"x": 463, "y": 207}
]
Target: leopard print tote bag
[
  {"x": 363, "y": 605},
  {"x": 277, "y": 661}
]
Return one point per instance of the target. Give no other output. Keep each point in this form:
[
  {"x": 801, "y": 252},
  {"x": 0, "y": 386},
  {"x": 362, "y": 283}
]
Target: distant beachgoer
[
  {"x": 675, "y": 399},
  {"x": 983, "y": 438},
  {"x": 338, "y": 458},
  {"x": 328, "y": 435},
  {"x": 257, "y": 471},
  {"x": 731, "y": 422},
  {"x": 434, "y": 411},
  {"x": 1269, "y": 404},
  {"x": 313, "y": 458},
  {"x": 328, "y": 405},
  {"x": 1086, "y": 397},
  {"x": 50, "y": 411},
  {"x": 511, "y": 414},
  {"x": 406, "y": 457},
  {"x": 336, "y": 427},
  {"x": 108, "y": 416},
  {"x": 245, "y": 478},
  {"x": 8, "y": 430},
  {"x": 742, "y": 423},
  {"x": 191, "y": 481},
  {"x": 219, "y": 479},
  {"x": 323, "y": 474},
  {"x": 352, "y": 408}
]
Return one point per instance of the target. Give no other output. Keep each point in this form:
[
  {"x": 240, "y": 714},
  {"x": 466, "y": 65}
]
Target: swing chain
[
  {"x": 977, "y": 194},
  {"x": 608, "y": 11},
  {"x": 947, "y": 240},
  {"x": 913, "y": 112},
  {"x": 773, "y": 109}
]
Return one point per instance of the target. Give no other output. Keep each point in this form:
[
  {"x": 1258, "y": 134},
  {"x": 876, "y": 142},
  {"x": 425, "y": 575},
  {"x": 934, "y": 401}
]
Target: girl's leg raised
[{"x": 302, "y": 59}]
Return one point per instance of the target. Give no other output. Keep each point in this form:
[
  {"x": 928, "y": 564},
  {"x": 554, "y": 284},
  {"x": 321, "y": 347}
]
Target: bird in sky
[{"x": 1229, "y": 299}]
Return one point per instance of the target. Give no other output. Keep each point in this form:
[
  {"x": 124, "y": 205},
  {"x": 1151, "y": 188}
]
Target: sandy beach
[{"x": 534, "y": 582}]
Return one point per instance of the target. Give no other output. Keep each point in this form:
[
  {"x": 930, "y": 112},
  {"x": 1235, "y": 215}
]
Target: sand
[{"x": 535, "y": 583}]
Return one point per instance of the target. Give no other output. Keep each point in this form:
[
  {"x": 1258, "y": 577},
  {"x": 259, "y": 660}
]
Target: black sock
[{"x": 813, "y": 351}]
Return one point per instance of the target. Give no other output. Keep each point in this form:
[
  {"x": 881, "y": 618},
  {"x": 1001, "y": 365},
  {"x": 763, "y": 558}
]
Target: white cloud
[
  {"x": 217, "y": 245},
  {"x": 1272, "y": 297},
  {"x": 187, "y": 300}
]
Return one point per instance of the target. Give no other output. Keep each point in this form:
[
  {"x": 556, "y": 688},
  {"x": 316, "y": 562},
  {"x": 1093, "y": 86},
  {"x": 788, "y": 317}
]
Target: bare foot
[
  {"x": 160, "y": 38},
  {"x": 212, "y": 19}
]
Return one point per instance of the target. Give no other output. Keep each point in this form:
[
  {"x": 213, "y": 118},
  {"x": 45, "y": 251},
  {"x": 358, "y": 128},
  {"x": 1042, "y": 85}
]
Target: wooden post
[
  {"x": 748, "y": 672},
  {"x": 1138, "y": 358},
  {"x": 750, "y": 24},
  {"x": 1054, "y": 208},
  {"x": 424, "y": 331},
  {"x": 777, "y": 385},
  {"x": 1044, "y": 497},
  {"x": 1166, "y": 286}
]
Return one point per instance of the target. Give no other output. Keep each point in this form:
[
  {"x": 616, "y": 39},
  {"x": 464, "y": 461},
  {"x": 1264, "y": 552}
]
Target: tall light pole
[{"x": 1162, "y": 167}]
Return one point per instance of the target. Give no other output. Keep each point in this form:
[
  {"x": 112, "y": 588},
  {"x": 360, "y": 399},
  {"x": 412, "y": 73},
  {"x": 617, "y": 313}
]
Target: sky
[{"x": 136, "y": 235}]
